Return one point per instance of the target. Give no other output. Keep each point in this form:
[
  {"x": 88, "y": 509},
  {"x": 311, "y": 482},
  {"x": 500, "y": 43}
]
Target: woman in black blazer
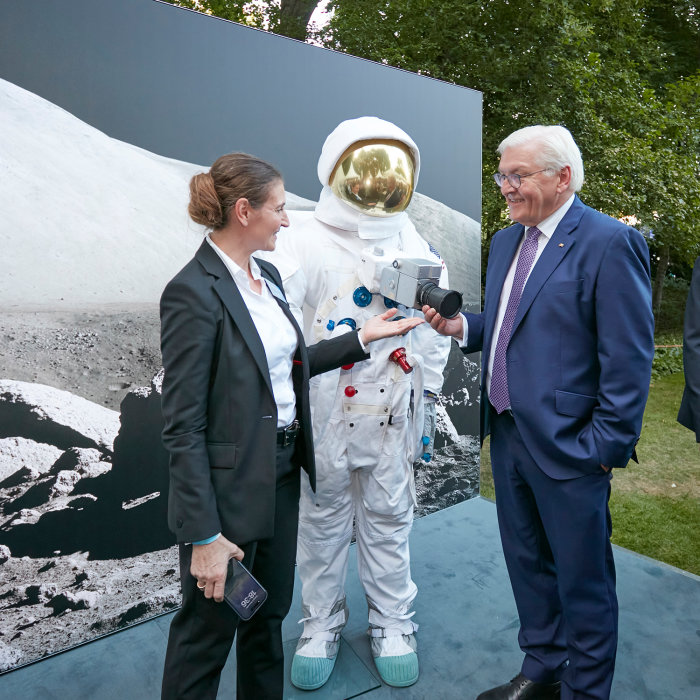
[{"x": 238, "y": 428}]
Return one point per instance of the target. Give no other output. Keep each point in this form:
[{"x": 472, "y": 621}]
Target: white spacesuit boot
[
  {"x": 367, "y": 417},
  {"x": 317, "y": 649},
  {"x": 395, "y": 656}
]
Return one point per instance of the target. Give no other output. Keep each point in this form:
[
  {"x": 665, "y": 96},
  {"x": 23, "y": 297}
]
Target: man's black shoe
[{"x": 521, "y": 688}]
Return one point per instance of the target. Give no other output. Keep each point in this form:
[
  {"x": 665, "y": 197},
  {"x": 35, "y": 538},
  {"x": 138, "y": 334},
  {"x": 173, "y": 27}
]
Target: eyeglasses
[{"x": 514, "y": 179}]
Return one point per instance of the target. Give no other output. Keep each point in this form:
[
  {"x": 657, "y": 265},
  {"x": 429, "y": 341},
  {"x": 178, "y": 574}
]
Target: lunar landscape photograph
[{"x": 93, "y": 228}]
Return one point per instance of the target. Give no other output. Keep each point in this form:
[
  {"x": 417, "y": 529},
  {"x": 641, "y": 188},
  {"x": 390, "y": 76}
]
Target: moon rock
[
  {"x": 18, "y": 454},
  {"x": 5, "y": 553},
  {"x": 55, "y": 417},
  {"x": 87, "y": 462}
]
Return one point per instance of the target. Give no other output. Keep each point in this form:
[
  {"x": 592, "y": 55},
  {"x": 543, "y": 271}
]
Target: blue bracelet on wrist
[{"x": 209, "y": 540}]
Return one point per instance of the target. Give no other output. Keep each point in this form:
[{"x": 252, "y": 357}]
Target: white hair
[{"x": 558, "y": 149}]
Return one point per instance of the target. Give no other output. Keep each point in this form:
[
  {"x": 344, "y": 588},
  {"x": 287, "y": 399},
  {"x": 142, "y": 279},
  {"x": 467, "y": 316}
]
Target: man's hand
[
  {"x": 445, "y": 326},
  {"x": 209, "y": 565}
]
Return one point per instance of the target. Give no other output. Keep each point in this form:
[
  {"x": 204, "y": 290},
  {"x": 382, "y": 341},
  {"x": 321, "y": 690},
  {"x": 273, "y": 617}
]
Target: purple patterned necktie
[{"x": 498, "y": 395}]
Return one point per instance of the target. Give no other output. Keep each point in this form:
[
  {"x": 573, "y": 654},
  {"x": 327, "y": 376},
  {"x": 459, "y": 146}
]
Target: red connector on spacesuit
[{"x": 399, "y": 356}]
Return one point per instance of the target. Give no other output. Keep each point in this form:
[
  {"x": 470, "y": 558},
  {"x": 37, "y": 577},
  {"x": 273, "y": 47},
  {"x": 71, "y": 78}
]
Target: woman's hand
[
  {"x": 210, "y": 563},
  {"x": 381, "y": 327}
]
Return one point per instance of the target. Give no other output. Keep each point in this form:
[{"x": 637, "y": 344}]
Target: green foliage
[
  {"x": 666, "y": 361},
  {"x": 242, "y": 11},
  {"x": 677, "y": 25},
  {"x": 669, "y": 320},
  {"x": 287, "y": 17}
]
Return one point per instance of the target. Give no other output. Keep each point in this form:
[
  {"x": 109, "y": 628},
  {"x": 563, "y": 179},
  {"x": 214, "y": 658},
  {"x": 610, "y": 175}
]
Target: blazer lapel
[
  {"x": 558, "y": 247},
  {"x": 228, "y": 292}
]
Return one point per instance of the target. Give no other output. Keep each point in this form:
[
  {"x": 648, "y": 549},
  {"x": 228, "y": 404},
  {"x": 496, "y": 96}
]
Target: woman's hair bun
[{"x": 205, "y": 206}]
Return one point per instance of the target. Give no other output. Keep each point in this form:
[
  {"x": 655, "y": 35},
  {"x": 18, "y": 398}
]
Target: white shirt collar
[{"x": 237, "y": 272}]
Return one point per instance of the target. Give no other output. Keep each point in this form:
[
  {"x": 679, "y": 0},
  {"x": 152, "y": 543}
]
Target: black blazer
[
  {"x": 220, "y": 413},
  {"x": 689, "y": 413}
]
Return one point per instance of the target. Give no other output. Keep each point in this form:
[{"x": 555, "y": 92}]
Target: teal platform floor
[{"x": 467, "y": 637}]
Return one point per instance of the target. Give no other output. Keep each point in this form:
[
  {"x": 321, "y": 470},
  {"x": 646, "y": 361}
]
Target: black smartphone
[{"x": 242, "y": 591}]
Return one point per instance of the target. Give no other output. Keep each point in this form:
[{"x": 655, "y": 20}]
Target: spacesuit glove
[{"x": 429, "y": 399}]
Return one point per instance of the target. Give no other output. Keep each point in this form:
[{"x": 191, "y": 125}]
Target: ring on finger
[{"x": 201, "y": 588}]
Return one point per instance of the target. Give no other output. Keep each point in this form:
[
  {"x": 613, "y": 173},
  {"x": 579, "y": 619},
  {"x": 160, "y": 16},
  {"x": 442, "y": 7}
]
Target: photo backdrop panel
[{"x": 107, "y": 107}]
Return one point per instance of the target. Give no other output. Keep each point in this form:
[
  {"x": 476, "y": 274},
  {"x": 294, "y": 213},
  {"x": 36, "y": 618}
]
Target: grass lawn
[{"x": 655, "y": 504}]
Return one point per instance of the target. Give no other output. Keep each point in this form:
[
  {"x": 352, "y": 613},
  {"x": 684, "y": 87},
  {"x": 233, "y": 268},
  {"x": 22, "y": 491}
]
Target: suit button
[
  {"x": 179, "y": 523},
  {"x": 362, "y": 297}
]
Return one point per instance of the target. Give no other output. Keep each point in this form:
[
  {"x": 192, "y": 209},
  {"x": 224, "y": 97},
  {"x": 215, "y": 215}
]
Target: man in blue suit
[{"x": 567, "y": 341}]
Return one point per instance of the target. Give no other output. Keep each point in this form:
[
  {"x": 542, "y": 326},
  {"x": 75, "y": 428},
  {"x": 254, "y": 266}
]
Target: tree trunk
[
  {"x": 294, "y": 17},
  {"x": 657, "y": 292}
]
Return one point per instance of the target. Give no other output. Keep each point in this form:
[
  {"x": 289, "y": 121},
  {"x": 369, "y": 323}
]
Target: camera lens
[{"x": 446, "y": 302}]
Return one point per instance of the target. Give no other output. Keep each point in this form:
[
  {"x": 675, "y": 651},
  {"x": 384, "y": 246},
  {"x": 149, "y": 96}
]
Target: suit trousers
[
  {"x": 202, "y": 631},
  {"x": 556, "y": 541}
]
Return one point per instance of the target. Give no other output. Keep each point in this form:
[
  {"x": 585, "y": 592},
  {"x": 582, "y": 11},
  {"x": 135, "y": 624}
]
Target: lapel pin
[{"x": 561, "y": 245}]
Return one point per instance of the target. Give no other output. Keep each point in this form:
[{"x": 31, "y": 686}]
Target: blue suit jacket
[{"x": 580, "y": 353}]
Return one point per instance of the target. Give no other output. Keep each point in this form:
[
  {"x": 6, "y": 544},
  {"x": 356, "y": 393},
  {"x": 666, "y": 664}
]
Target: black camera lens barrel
[{"x": 446, "y": 302}]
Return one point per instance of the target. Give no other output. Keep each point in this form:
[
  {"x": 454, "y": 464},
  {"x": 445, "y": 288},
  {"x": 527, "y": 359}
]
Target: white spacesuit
[{"x": 368, "y": 419}]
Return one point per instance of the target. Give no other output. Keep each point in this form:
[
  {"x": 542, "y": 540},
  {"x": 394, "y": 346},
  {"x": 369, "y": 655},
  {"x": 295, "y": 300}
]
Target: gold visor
[{"x": 374, "y": 177}]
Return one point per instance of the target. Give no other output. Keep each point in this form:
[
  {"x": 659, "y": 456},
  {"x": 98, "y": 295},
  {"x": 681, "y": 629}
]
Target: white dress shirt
[
  {"x": 276, "y": 333},
  {"x": 547, "y": 228}
]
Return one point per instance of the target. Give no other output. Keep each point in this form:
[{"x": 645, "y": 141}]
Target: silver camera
[{"x": 413, "y": 282}]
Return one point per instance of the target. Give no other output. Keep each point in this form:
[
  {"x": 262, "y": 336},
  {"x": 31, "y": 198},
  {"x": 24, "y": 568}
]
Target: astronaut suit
[{"x": 368, "y": 418}]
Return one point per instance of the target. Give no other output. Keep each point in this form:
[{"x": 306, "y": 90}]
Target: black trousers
[{"x": 202, "y": 631}]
